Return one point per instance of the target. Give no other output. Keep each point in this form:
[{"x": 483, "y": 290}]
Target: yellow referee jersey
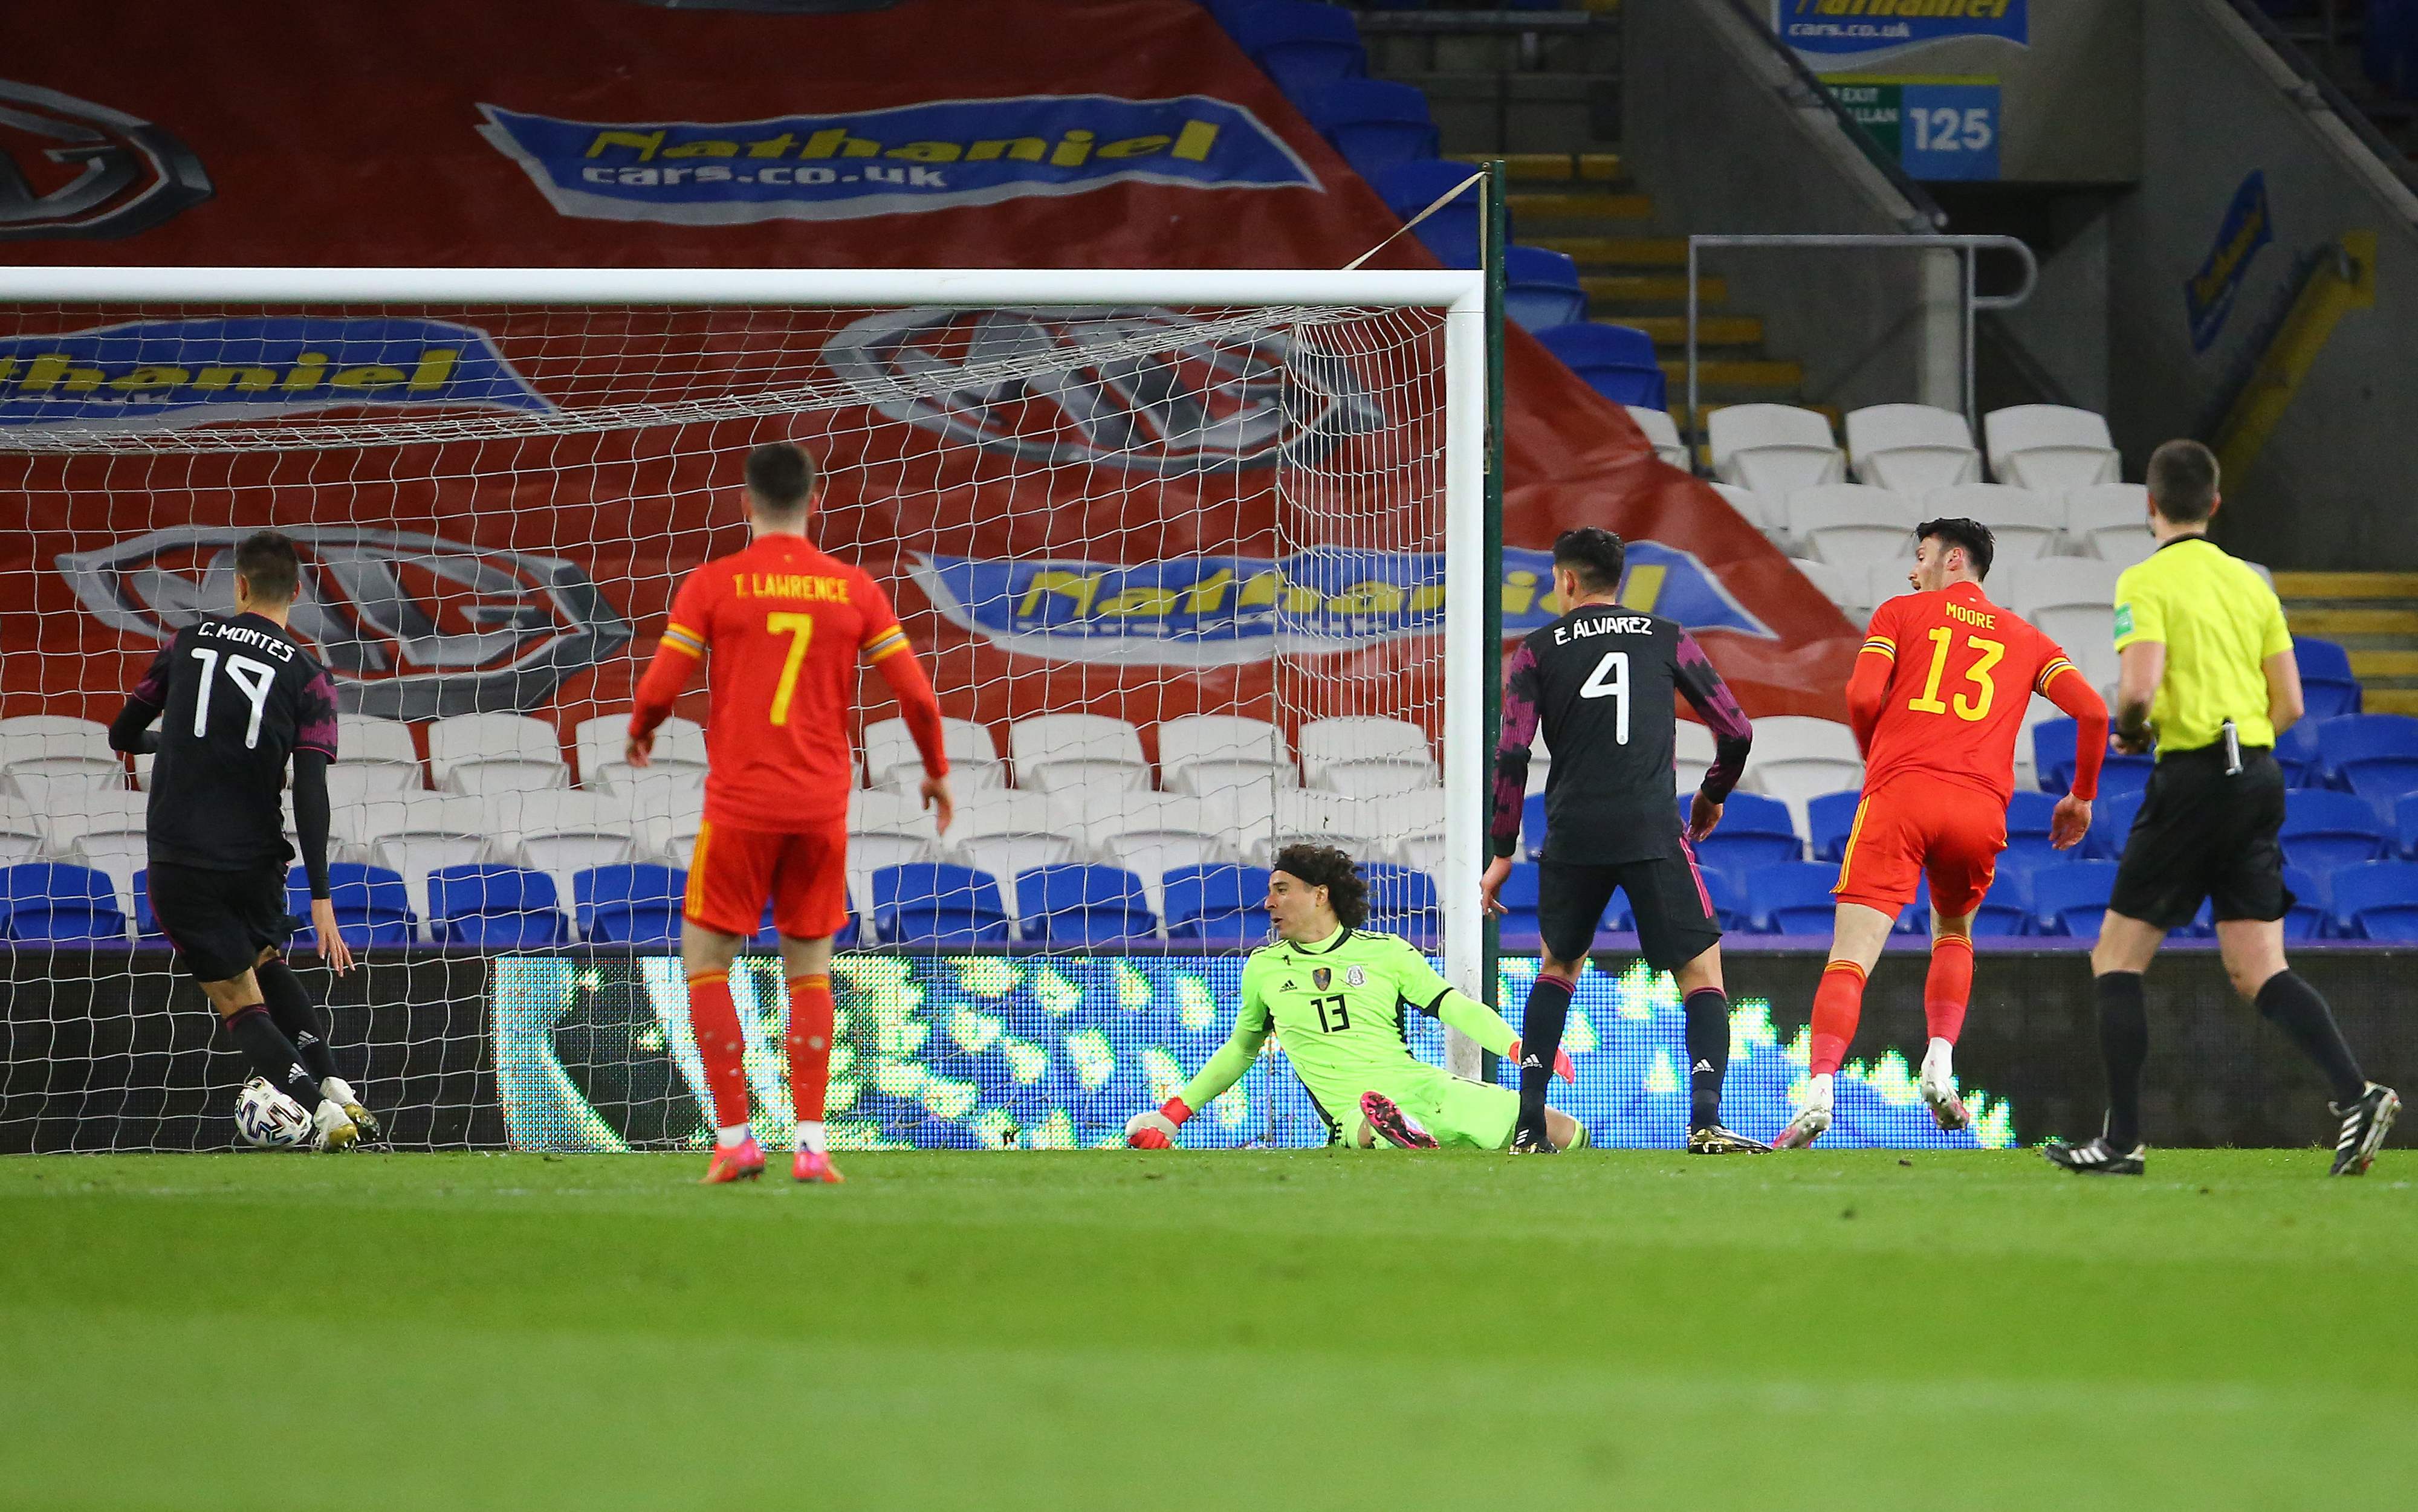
[{"x": 2219, "y": 621}]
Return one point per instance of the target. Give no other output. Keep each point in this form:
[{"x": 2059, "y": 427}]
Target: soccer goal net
[{"x": 1195, "y": 561}]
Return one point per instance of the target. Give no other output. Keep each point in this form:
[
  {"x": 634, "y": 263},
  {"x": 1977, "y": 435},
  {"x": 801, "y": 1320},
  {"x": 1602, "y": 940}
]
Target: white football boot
[
  {"x": 1812, "y": 1120},
  {"x": 1938, "y": 1086}
]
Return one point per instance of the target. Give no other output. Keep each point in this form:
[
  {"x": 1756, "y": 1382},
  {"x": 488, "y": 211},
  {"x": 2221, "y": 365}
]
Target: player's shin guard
[
  {"x": 1838, "y": 1003},
  {"x": 2124, "y": 1046},
  {"x": 1949, "y": 987},
  {"x": 303, "y": 1021},
  {"x": 721, "y": 1044},
  {"x": 1540, "y": 1042},
  {"x": 273, "y": 1055},
  {"x": 1708, "y": 1055},
  {"x": 811, "y": 1015}
]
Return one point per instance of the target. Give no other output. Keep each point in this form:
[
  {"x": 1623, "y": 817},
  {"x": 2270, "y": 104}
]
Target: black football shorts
[
  {"x": 1676, "y": 922},
  {"x": 2203, "y": 834},
  {"x": 220, "y": 922}
]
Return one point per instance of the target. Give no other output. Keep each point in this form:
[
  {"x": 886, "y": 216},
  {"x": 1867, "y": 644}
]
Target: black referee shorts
[
  {"x": 220, "y": 922},
  {"x": 1674, "y": 913},
  {"x": 2203, "y": 834}
]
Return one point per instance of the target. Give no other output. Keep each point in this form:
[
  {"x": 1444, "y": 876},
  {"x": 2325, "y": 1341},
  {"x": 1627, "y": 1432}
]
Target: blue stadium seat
[
  {"x": 2328, "y": 687},
  {"x": 2052, "y": 758},
  {"x": 1082, "y": 906},
  {"x": 2029, "y": 818},
  {"x": 41, "y": 900},
  {"x": 935, "y": 902},
  {"x": 1831, "y": 816},
  {"x": 2377, "y": 901},
  {"x": 1302, "y": 46},
  {"x": 2073, "y": 898},
  {"x": 1228, "y": 12},
  {"x": 1616, "y": 361},
  {"x": 496, "y": 908},
  {"x": 2405, "y": 820},
  {"x": 2016, "y": 865},
  {"x": 147, "y": 927},
  {"x": 1731, "y": 905},
  {"x": 632, "y": 905},
  {"x": 2375, "y": 755},
  {"x": 1516, "y": 927},
  {"x": 372, "y": 907},
  {"x": 1541, "y": 288},
  {"x": 1453, "y": 233},
  {"x": 2312, "y": 903},
  {"x": 2008, "y": 910},
  {"x": 2325, "y": 831},
  {"x": 2111, "y": 820},
  {"x": 1532, "y": 825},
  {"x": 1373, "y": 123},
  {"x": 1402, "y": 902},
  {"x": 1754, "y": 831},
  {"x": 2296, "y": 752},
  {"x": 1793, "y": 898},
  {"x": 1220, "y": 904}
]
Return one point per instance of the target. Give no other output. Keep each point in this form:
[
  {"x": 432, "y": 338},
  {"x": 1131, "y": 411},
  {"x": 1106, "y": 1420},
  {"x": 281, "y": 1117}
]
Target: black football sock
[
  {"x": 273, "y": 1055},
  {"x": 2123, "y": 1046},
  {"x": 1708, "y": 1055},
  {"x": 303, "y": 1021},
  {"x": 1540, "y": 1041},
  {"x": 2293, "y": 1005}
]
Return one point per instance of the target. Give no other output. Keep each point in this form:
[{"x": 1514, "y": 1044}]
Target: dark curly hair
[{"x": 1327, "y": 868}]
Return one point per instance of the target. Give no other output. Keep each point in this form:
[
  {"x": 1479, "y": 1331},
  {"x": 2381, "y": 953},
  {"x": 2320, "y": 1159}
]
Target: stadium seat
[
  {"x": 2054, "y": 756},
  {"x": 1416, "y": 823},
  {"x": 1798, "y": 759},
  {"x": 380, "y": 752},
  {"x": 1793, "y": 898},
  {"x": 494, "y": 907},
  {"x": 891, "y": 759},
  {"x": 2377, "y": 900},
  {"x": 23, "y": 835},
  {"x": 2073, "y": 602},
  {"x": 2328, "y": 685},
  {"x": 2375, "y": 755},
  {"x": 1205, "y": 753},
  {"x": 373, "y": 907},
  {"x": 1754, "y": 509},
  {"x": 658, "y": 801},
  {"x": 74, "y": 812},
  {"x": 1663, "y": 434},
  {"x": 2109, "y": 509},
  {"x": 1829, "y": 819},
  {"x": 2111, "y": 821},
  {"x": 75, "y": 751},
  {"x": 352, "y": 782},
  {"x": 632, "y": 905},
  {"x": 889, "y": 829},
  {"x": 1366, "y": 757},
  {"x": 1319, "y": 818},
  {"x": 1617, "y": 361},
  {"x": 2051, "y": 447},
  {"x": 1516, "y": 927},
  {"x": 603, "y": 741},
  {"x": 1754, "y": 831},
  {"x": 1009, "y": 833},
  {"x": 1216, "y": 904},
  {"x": 1692, "y": 752},
  {"x": 1373, "y": 123},
  {"x": 1084, "y": 754},
  {"x": 1884, "y": 581},
  {"x": 2404, "y": 817},
  {"x": 2311, "y": 900},
  {"x": 414, "y": 833},
  {"x": 1541, "y": 288},
  {"x": 1532, "y": 825},
  {"x": 1151, "y": 834},
  {"x": 2029, "y": 815},
  {"x": 118, "y": 854},
  {"x": 2023, "y": 525},
  {"x": 2297, "y": 752},
  {"x": 1849, "y": 525},
  {"x": 1911, "y": 449},
  {"x": 1774, "y": 449},
  {"x": 1834, "y": 584},
  {"x": 1303, "y": 47},
  {"x": 1540, "y": 768},
  {"x": 1082, "y": 906},
  {"x": 562, "y": 830},
  {"x": 2071, "y": 899},
  {"x": 2325, "y": 831},
  {"x": 61, "y": 788},
  {"x": 62, "y": 904},
  {"x": 1453, "y": 233},
  {"x": 936, "y": 903},
  {"x": 1403, "y": 901}
]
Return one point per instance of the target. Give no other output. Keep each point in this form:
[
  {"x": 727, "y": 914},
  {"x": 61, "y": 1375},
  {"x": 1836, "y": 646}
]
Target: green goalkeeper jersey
[{"x": 1340, "y": 1006}]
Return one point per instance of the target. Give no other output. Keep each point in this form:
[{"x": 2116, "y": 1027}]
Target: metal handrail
[
  {"x": 1967, "y": 248},
  {"x": 1810, "y": 83}
]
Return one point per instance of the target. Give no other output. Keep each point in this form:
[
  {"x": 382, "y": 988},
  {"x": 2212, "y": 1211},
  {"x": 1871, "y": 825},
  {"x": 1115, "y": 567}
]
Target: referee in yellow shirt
[{"x": 2208, "y": 675}]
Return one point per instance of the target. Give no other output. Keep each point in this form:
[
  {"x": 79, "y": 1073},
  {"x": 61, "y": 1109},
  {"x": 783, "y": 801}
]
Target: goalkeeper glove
[
  {"x": 1157, "y": 1130},
  {"x": 1563, "y": 1066}
]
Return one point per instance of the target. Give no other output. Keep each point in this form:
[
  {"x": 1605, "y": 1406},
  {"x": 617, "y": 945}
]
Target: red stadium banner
[{"x": 624, "y": 133}]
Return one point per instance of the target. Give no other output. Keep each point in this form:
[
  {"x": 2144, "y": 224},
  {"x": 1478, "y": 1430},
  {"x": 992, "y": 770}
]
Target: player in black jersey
[
  {"x": 240, "y": 697},
  {"x": 1600, "y": 681}
]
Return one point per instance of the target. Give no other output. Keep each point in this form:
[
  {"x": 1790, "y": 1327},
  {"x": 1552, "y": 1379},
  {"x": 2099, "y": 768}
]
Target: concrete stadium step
[
  {"x": 2389, "y": 700},
  {"x": 1657, "y": 289},
  {"x": 1711, "y": 331},
  {"x": 1529, "y": 208},
  {"x": 1595, "y": 169},
  {"x": 1723, "y": 373},
  {"x": 2328, "y": 623},
  {"x": 1620, "y": 253},
  {"x": 2384, "y": 664},
  {"x": 2346, "y": 586}
]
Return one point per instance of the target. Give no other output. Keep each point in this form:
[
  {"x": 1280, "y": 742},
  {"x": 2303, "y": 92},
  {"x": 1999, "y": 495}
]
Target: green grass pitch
[{"x": 1263, "y": 1330}]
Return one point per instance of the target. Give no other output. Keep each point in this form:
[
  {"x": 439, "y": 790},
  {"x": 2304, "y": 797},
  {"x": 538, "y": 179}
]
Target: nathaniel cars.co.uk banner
[{"x": 457, "y": 574}]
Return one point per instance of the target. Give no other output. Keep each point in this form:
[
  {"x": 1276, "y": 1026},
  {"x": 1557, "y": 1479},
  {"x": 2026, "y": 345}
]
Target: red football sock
[
  {"x": 1838, "y": 1003},
  {"x": 1949, "y": 987},
  {"x": 714, "y": 1020},
  {"x": 810, "y": 1037}
]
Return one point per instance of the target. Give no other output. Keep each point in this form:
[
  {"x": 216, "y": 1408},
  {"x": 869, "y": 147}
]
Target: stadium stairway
[{"x": 2373, "y": 615}]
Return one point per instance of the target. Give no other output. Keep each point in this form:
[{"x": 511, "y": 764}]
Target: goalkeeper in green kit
[{"x": 1338, "y": 995}]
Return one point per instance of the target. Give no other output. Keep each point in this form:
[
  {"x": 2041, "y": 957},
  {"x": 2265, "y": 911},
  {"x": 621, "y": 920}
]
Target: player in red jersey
[
  {"x": 1936, "y": 701},
  {"x": 786, "y": 627}
]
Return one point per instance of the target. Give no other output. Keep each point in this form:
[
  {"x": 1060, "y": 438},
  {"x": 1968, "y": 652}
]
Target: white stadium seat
[
  {"x": 891, "y": 759},
  {"x": 1663, "y": 434},
  {"x": 884, "y": 829},
  {"x": 118, "y": 854},
  {"x": 1363, "y": 756},
  {"x": 355, "y": 782},
  {"x": 58, "y": 745},
  {"x": 660, "y": 797},
  {"x": 479, "y": 753},
  {"x": 73, "y": 808},
  {"x": 1415, "y": 823},
  {"x": 1150, "y": 834},
  {"x": 604, "y": 741},
  {"x": 22, "y": 834},
  {"x": 363, "y": 739},
  {"x": 1848, "y": 525},
  {"x": 414, "y": 833},
  {"x": 1692, "y": 751},
  {"x": 1204, "y": 753},
  {"x": 1835, "y": 585},
  {"x": 1319, "y": 818},
  {"x": 1008, "y": 833},
  {"x": 563, "y": 830},
  {"x": 2050, "y": 448},
  {"x": 1884, "y": 581},
  {"x": 1540, "y": 763},
  {"x": 64, "y": 786},
  {"x": 1774, "y": 449},
  {"x": 2024, "y": 524},
  {"x": 2072, "y": 600},
  {"x": 1755, "y": 510},
  {"x": 1911, "y": 448},
  {"x": 1076, "y": 753},
  {"x": 1796, "y": 758}
]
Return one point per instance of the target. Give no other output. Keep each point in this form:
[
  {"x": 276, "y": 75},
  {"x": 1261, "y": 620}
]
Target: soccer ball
[{"x": 269, "y": 1120}]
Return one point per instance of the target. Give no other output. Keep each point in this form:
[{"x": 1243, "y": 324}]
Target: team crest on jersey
[
  {"x": 1354, "y": 977},
  {"x": 1320, "y": 977},
  {"x": 412, "y": 627}
]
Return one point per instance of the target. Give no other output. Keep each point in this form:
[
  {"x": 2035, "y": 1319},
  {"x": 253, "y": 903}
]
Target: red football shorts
[
  {"x": 733, "y": 871},
  {"x": 1916, "y": 827}
]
